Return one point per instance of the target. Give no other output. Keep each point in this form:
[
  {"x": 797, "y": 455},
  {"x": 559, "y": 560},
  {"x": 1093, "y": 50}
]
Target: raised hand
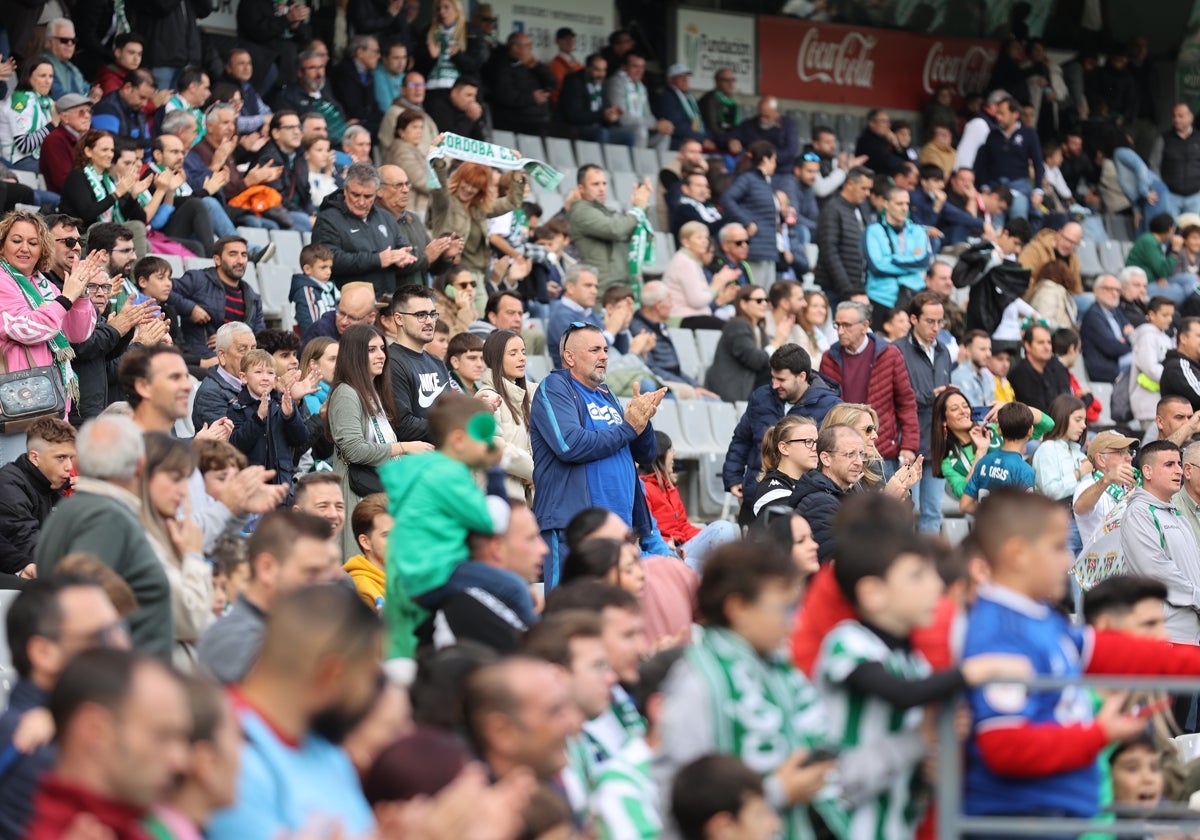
[{"x": 84, "y": 272}]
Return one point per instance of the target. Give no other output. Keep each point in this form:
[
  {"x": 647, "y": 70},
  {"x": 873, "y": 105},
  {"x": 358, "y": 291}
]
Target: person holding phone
[{"x": 957, "y": 442}]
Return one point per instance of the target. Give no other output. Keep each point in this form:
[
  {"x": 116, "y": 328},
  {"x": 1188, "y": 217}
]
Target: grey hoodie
[{"x": 1157, "y": 542}]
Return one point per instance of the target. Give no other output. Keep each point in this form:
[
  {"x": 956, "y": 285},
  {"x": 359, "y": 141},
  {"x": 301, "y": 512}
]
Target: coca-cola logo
[
  {"x": 846, "y": 62},
  {"x": 966, "y": 73}
]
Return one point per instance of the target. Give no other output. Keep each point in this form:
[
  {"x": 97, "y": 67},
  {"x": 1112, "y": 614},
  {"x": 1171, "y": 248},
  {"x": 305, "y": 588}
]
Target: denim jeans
[
  {"x": 927, "y": 498},
  {"x": 505, "y": 585},
  {"x": 1178, "y": 287},
  {"x": 222, "y": 226},
  {"x": 164, "y": 77},
  {"x": 300, "y": 220},
  {"x": 1180, "y": 204},
  {"x": 606, "y": 134}
]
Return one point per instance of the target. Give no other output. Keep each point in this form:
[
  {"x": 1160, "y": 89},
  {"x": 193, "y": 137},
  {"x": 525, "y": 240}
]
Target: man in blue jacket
[
  {"x": 585, "y": 446},
  {"x": 1104, "y": 332},
  {"x": 1005, "y": 158},
  {"x": 208, "y": 298},
  {"x": 794, "y": 389},
  {"x": 897, "y": 253}
]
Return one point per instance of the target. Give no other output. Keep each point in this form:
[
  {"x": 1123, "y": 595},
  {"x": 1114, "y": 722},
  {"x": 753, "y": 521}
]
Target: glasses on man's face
[
  {"x": 416, "y": 85},
  {"x": 740, "y": 242},
  {"x": 289, "y": 127},
  {"x": 64, "y": 40},
  {"x": 423, "y": 315},
  {"x": 343, "y": 315},
  {"x": 809, "y": 443},
  {"x": 933, "y": 322},
  {"x": 128, "y": 250},
  {"x": 854, "y": 455},
  {"x": 466, "y": 284},
  {"x": 838, "y": 326},
  {"x": 102, "y": 288},
  {"x": 71, "y": 241}
]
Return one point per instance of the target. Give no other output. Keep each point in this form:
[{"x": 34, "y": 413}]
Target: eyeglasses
[
  {"x": 289, "y": 127},
  {"x": 64, "y": 40},
  {"x": 415, "y": 85},
  {"x": 811, "y": 157},
  {"x": 71, "y": 241},
  {"x": 466, "y": 284},
  {"x": 857, "y": 455},
  {"x": 843, "y": 325},
  {"x": 933, "y": 322},
  {"x": 809, "y": 443},
  {"x": 342, "y": 315},
  {"x": 740, "y": 242},
  {"x": 423, "y": 315},
  {"x": 871, "y": 429},
  {"x": 756, "y": 300},
  {"x": 106, "y": 288}
]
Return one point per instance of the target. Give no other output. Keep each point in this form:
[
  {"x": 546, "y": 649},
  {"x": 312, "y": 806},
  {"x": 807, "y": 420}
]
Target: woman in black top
[{"x": 789, "y": 451}]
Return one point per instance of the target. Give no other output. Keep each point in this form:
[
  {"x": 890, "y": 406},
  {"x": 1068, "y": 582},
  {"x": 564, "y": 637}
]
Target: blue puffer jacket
[
  {"x": 563, "y": 446},
  {"x": 202, "y": 288},
  {"x": 895, "y": 259},
  {"x": 743, "y": 461},
  {"x": 750, "y": 198}
]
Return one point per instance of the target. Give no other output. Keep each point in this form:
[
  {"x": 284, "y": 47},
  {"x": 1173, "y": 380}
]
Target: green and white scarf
[
  {"x": 764, "y": 709},
  {"x": 637, "y": 101},
  {"x": 690, "y": 107},
  {"x": 176, "y": 103},
  {"x": 182, "y": 191},
  {"x": 1120, "y": 491},
  {"x": 443, "y": 73},
  {"x": 729, "y": 108},
  {"x": 102, "y": 187},
  {"x": 457, "y": 147},
  {"x": 59, "y": 346},
  {"x": 641, "y": 251}
]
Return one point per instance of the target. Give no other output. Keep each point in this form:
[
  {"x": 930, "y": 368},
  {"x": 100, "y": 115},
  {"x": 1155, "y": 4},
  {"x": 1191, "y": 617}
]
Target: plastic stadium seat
[
  {"x": 1089, "y": 259},
  {"x": 618, "y": 158},
  {"x": 740, "y": 408},
  {"x": 559, "y": 153},
  {"x": 803, "y": 123},
  {"x": 822, "y": 119},
  {"x": 504, "y": 138},
  {"x": 706, "y": 341},
  {"x": 848, "y": 127},
  {"x": 620, "y": 187},
  {"x": 568, "y": 181},
  {"x": 1111, "y": 255},
  {"x": 712, "y": 499},
  {"x": 684, "y": 342},
  {"x": 175, "y": 261},
  {"x": 1126, "y": 247},
  {"x": 28, "y": 179},
  {"x": 306, "y": 237},
  {"x": 1103, "y": 392},
  {"x": 645, "y": 162},
  {"x": 587, "y": 152},
  {"x": 194, "y": 263},
  {"x": 257, "y": 237},
  {"x": 694, "y": 420},
  {"x": 954, "y": 531},
  {"x": 664, "y": 157},
  {"x": 288, "y": 245},
  {"x": 724, "y": 417},
  {"x": 551, "y": 203},
  {"x": 250, "y": 277},
  {"x": 666, "y": 419},
  {"x": 275, "y": 285},
  {"x": 531, "y": 146},
  {"x": 536, "y": 367}
]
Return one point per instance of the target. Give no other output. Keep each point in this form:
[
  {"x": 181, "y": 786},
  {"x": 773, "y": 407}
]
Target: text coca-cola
[{"x": 845, "y": 62}]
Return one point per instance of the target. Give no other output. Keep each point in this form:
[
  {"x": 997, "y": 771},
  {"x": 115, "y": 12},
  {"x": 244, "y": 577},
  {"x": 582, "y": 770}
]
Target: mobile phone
[
  {"x": 979, "y": 412},
  {"x": 1151, "y": 709},
  {"x": 819, "y": 755}
]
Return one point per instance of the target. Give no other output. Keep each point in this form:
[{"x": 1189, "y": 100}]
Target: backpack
[{"x": 1121, "y": 410}]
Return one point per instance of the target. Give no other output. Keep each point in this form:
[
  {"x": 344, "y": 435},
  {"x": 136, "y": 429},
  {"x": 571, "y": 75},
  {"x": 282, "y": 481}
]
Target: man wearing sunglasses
[
  {"x": 585, "y": 444},
  {"x": 60, "y": 49}
]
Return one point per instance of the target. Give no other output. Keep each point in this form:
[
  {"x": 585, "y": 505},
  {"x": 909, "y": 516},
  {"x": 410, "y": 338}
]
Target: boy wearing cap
[
  {"x": 1105, "y": 491},
  {"x": 677, "y": 105}
]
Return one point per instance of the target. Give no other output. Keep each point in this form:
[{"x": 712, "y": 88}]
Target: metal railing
[{"x": 952, "y": 824}]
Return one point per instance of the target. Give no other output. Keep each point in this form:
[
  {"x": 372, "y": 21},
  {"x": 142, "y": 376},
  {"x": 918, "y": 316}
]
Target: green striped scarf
[
  {"x": 764, "y": 709},
  {"x": 457, "y": 147},
  {"x": 59, "y": 346},
  {"x": 641, "y": 252},
  {"x": 102, "y": 187}
]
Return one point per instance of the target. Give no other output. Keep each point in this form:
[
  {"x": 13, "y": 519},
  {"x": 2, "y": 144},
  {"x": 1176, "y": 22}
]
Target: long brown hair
[
  {"x": 494, "y": 350},
  {"x": 170, "y": 455},
  {"x": 1060, "y": 412},
  {"x": 354, "y": 370},
  {"x": 86, "y": 143}
]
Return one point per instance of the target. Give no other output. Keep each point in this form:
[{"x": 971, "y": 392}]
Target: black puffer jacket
[
  {"x": 840, "y": 229},
  {"x": 169, "y": 27},
  {"x": 26, "y": 499},
  {"x": 817, "y": 499},
  {"x": 104, "y": 345}
]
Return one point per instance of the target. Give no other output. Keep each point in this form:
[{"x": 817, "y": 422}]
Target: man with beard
[
  {"x": 585, "y": 445},
  {"x": 288, "y": 550},
  {"x": 316, "y": 677},
  {"x": 117, "y": 241},
  {"x": 211, "y": 297}
]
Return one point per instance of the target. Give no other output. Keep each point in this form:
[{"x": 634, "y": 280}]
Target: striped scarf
[
  {"x": 102, "y": 187},
  {"x": 764, "y": 710},
  {"x": 457, "y": 147},
  {"x": 641, "y": 251},
  {"x": 59, "y": 346}
]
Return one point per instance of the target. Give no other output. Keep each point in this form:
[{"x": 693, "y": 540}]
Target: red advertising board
[{"x": 857, "y": 65}]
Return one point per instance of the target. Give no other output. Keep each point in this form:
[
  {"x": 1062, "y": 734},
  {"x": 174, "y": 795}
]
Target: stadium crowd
[{"x": 338, "y": 563}]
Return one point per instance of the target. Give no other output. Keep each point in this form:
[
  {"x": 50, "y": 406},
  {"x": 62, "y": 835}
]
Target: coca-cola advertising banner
[{"x": 857, "y": 65}]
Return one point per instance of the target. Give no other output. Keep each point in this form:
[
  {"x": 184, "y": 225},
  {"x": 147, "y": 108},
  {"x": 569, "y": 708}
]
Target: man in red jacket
[
  {"x": 58, "y": 149},
  {"x": 871, "y": 370}
]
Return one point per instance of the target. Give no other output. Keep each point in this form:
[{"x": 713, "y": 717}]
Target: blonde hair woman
[
  {"x": 864, "y": 419},
  {"x": 693, "y": 296}
]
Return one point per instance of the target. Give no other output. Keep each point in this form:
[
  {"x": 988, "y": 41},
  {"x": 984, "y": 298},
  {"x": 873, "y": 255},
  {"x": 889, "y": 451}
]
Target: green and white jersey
[
  {"x": 624, "y": 804},
  {"x": 24, "y": 122},
  {"x": 857, "y": 720},
  {"x": 176, "y": 103}
]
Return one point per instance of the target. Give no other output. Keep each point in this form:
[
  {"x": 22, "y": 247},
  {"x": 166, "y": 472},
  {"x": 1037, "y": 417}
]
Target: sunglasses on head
[{"x": 811, "y": 157}]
